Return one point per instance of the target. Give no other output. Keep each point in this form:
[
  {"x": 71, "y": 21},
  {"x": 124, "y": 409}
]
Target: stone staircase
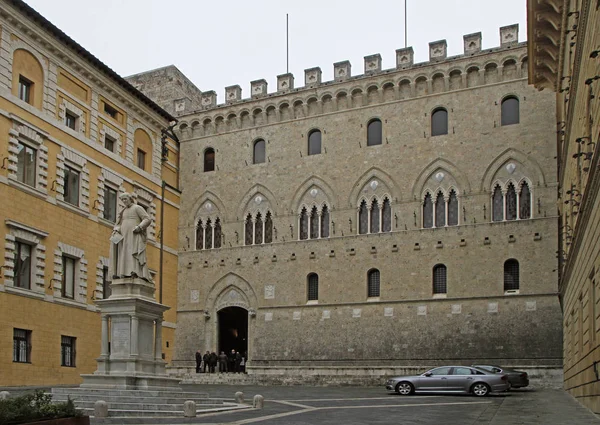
[{"x": 142, "y": 406}]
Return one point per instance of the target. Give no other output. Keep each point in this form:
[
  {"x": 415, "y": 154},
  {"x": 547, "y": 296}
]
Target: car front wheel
[
  {"x": 480, "y": 389},
  {"x": 405, "y": 388}
]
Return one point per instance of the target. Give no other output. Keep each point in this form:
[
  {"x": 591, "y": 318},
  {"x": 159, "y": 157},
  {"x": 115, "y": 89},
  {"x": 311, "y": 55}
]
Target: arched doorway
[{"x": 233, "y": 329}]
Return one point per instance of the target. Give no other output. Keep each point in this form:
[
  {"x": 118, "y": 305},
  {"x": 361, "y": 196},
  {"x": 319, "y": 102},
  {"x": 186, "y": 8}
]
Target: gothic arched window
[
  {"x": 497, "y": 204},
  {"x": 525, "y": 202},
  {"x": 208, "y": 233},
  {"x": 209, "y": 160},
  {"x": 386, "y": 216},
  {"x": 440, "y": 210},
  {"x": 374, "y": 132},
  {"x": 314, "y": 142},
  {"x": 510, "y": 110},
  {"x": 453, "y": 209},
  {"x": 439, "y": 122},
  {"x": 428, "y": 211},
  {"x": 363, "y": 218},
  {"x": 258, "y": 230},
  {"x": 269, "y": 228},
  {"x": 217, "y": 232},
  {"x": 511, "y": 275},
  {"x": 248, "y": 239},
  {"x": 511, "y": 203},
  {"x": 374, "y": 225},
  {"x": 373, "y": 278},
  {"x": 303, "y": 224},
  {"x": 199, "y": 235},
  {"x": 259, "y": 152},
  {"x": 313, "y": 287},
  {"x": 314, "y": 223},
  {"x": 325, "y": 222},
  {"x": 440, "y": 285}
]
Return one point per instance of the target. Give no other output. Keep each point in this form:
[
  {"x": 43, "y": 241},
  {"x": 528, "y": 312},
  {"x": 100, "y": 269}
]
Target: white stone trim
[
  {"x": 80, "y": 290},
  {"x": 107, "y": 131},
  {"x": 65, "y": 106},
  {"x": 23, "y": 134},
  {"x": 107, "y": 178},
  {"x": 27, "y": 234},
  {"x": 99, "y": 291},
  {"x": 70, "y": 158}
]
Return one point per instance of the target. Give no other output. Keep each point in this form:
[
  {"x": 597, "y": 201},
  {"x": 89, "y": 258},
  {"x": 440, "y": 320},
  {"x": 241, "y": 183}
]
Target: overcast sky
[{"x": 222, "y": 43}]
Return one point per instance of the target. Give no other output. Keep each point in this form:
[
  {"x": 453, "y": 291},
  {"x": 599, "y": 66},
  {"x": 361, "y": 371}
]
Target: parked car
[
  {"x": 454, "y": 379},
  {"x": 516, "y": 378}
]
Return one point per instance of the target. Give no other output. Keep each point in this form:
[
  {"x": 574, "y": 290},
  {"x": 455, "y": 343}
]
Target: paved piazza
[{"x": 351, "y": 405}]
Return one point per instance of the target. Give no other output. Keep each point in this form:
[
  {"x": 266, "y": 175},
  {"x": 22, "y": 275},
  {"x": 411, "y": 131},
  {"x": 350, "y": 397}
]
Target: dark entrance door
[{"x": 233, "y": 330}]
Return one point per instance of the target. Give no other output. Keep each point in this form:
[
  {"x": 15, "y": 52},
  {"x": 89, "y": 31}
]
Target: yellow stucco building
[{"x": 73, "y": 136}]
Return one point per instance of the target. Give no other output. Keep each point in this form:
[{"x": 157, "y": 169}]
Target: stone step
[
  {"x": 126, "y": 413},
  {"x": 140, "y": 400},
  {"x": 127, "y": 393},
  {"x": 163, "y": 409},
  {"x": 158, "y": 420}
]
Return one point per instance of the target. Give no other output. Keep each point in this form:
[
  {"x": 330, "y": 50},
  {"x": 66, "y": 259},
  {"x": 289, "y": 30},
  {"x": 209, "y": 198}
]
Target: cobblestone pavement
[{"x": 374, "y": 405}]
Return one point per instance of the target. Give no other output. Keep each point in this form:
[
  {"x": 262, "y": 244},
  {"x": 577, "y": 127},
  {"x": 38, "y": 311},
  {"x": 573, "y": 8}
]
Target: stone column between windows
[
  {"x": 158, "y": 339},
  {"x": 517, "y": 196},
  {"x": 134, "y": 335},
  {"x": 447, "y": 204},
  {"x": 104, "y": 346},
  {"x": 203, "y": 227},
  {"x": 320, "y": 215},
  {"x": 252, "y": 242},
  {"x": 212, "y": 241},
  {"x": 369, "y": 208},
  {"x": 380, "y": 207},
  {"x": 504, "y": 192},
  {"x": 309, "y": 215},
  {"x": 264, "y": 222}
]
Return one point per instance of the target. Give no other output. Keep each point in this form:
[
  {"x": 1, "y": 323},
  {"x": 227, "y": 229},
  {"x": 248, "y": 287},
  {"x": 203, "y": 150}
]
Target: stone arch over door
[{"x": 229, "y": 291}]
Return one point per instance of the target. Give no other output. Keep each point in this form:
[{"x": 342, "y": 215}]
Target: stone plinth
[{"x": 132, "y": 322}]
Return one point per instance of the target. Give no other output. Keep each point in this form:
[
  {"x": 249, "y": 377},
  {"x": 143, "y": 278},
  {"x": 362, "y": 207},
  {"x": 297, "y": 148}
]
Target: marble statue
[{"x": 128, "y": 241}]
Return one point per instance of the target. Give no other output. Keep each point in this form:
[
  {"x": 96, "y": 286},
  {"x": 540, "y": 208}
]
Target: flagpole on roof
[{"x": 405, "y": 25}]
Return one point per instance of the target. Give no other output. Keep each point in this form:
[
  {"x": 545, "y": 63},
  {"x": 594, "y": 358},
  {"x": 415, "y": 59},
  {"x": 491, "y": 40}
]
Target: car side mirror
[{"x": 427, "y": 374}]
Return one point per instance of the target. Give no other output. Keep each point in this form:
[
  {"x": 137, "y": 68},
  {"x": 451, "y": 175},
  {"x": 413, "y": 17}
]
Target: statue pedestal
[{"x": 132, "y": 323}]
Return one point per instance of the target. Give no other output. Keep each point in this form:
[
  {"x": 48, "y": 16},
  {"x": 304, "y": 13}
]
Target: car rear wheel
[
  {"x": 405, "y": 388},
  {"x": 480, "y": 389}
]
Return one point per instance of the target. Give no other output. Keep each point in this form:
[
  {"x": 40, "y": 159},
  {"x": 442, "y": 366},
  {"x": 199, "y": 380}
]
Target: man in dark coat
[
  {"x": 205, "y": 359},
  {"x": 198, "y": 361},
  {"x": 232, "y": 361},
  {"x": 238, "y": 361},
  {"x": 212, "y": 362},
  {"x": 223, "y": 362}
]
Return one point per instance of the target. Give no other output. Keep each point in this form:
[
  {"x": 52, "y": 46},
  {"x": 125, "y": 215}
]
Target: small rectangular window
[
  {"x": 22, "y": 261},
  {"x": 26, "y": 164},
  {"x": 141, "y": 159},
  {"x": 110, "y": 204},
  {"x": 67, "y": 351},
  {"x": 21, "y": 345},
  {"x": 110, "y": 111},
  {"x": 71, "y": 186},
  {"x": 71, "y": 120},
  {"x": 68, "y": 277},
  {"x": 25, "y": 88},
  {"x": 109, "y": 143}
]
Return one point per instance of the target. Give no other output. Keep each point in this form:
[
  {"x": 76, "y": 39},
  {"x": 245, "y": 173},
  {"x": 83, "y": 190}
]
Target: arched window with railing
[
  {"x": 313, "y": 287},
  {"x": 373, "y": 282},
  {"x": 511, "y": 275},
  {"x": 440, "y": 284}
]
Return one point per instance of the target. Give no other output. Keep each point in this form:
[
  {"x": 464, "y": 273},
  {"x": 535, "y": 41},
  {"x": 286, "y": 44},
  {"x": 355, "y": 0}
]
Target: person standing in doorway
[
  {"x": 206, "y": 360},
  {"x": 223, "y": 362},
  {"x": 198, "y": 361},
  {"x": 212, "y": 363},
  {"x": 232, "y": 361}
]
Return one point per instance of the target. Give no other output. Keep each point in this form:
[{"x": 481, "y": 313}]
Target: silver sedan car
[{"x": 452, "y": 379}]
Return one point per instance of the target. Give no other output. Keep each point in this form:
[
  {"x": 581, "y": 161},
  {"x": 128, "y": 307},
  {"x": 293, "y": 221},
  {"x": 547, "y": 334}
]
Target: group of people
[{"x": 234, "y": 362}]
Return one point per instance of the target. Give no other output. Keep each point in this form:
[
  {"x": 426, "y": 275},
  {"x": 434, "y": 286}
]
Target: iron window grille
[
  {"x": 21, "y": 345},
  {"x": 374, "y": 283},
  {"x": 440, "y": 285}
]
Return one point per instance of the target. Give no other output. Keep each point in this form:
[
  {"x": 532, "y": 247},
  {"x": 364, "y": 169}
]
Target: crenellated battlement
[{"x": 372, "y": 66}]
